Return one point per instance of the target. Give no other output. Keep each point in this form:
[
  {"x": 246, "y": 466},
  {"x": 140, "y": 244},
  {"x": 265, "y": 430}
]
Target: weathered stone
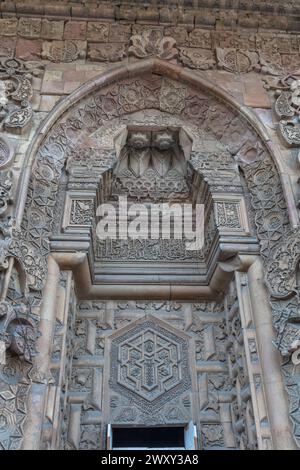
[
  {"x": 48, "y": 102},
  {"x": 119, "y": 32},
  {"x": 196, "y": 58},
  {"x": 75, "y": 30},
  {"x": 29, "y": 27},
  {"x": 64, "y": 51},
  {"x": 179, "y": 34},
  {"x": 28, "y": 49},
  {"x": 97, "y": 32},
  {"x": 8, "y": 26},
  {"x": 206, "y": 18},
  {"x": 52, "y": 29},
  {"x": 200, "y": 38},
  {"x": 106, "y": 52},
  {"x": 7, "y": 46},
  {"x": 255, "y": 94},
  {"x": 152, "y": 43}
]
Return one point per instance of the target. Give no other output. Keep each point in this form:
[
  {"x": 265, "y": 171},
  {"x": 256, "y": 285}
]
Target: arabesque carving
[{"x": 16, "y": 93}]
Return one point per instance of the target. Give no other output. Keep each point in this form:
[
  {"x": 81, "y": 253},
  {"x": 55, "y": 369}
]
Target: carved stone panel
[{"x": 150, "y": 369}]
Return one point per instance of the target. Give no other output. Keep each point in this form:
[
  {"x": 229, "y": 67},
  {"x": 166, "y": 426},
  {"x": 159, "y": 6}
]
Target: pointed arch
[{"x": 167, "y": 70}]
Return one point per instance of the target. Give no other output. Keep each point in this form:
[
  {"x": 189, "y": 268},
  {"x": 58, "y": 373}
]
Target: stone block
[
  {"x": 206, "y": 18},
  {"x": 8, "y": 26},
  {"x": 53, "y": 9},
  {"x": 255, "y": 95},
  {"x": 36, "y": 83},
  {"x": 52, "y": 87},
  {"x": 140, "y": 29},
  {"x": 64, "y": 51},
  {"x": 35, "y": 102},
  {"x": 52, "y": 29},
  {"x": 168, "y": 15},
  {"x": 48, "y": 102},
  {"x": 73, "y": 76},
  {"x": 247, "y": 20},
  {"x": 30, "y": 27},
  {"x": 148, "y": 15},
  {"x": 7, "y": 46},
  {"x": 274, "y": 22},
  {"x": 29, "y": 49},
  {"x": 178, "y": 33},
  {"x": 187, "y": 18},
  {"x": 97, "y": 32},
  {"x": 94, "y": 73},
  {"x": 127, "y": 13},
  {"x": 75, "y": 30},
  {"x": 227, "y": 20},
  {"x": 53, "y": 75},
  {"x": 105, "y": 11},
  {"x": 69, "y": 87},
  {"x": 8, "y": 7},
  {"x": 119, "y": 32},
  {"x": 228, "y": 40},
  {"x": 200, "y": 38},
  {"x": 106, "y": 52}
]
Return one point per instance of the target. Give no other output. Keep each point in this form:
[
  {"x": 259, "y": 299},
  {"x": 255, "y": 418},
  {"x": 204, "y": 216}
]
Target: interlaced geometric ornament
[{"x": 149, "y": 365}]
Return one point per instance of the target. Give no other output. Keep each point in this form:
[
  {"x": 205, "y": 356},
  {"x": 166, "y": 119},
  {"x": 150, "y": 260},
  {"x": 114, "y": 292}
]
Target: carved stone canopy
[
  {"x": 154, "y": 164},
  {"x": 83, "y": 140}
]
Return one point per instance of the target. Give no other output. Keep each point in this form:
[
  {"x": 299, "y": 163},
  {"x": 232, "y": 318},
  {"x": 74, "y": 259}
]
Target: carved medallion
[
  {"x": 149, "y": 364},
  {"x": 5, "y": 152},
  {"x": 235, "y": 60}
]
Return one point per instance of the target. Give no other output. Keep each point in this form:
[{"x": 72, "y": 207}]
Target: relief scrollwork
[
  {"x": 237, "y": 61},
  {"x": 282, "y": 266},
  {"x": 283, "y": 282},
  {"x": 201, "y": 59},
  {"x": 287, "y": 106},
  {"x": 31, "y": 260},
  {"x": 6, "y": 224},
  {"x": 5, "y": 191},
  {"x": 16, "y": 93}
]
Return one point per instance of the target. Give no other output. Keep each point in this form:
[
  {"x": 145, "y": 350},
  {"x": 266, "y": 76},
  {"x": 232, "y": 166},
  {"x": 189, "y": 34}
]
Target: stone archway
[{"x": 77, "y": 124}]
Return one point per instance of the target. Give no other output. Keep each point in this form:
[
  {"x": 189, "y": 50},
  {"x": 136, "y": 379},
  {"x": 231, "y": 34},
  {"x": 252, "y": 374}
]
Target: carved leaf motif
[
  {"x": 24, "y": 89},
  {"x": 282, "y": 105},
  {"x": 281, "y": 267},
  {"x": 16, "y": 92},
  {"x": 152, "y": 43},
  {"x": 19, "y": 117},
  {"x": 290, "y": 131}
]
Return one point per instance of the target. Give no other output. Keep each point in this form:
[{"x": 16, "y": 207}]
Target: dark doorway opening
[{"x": 156, "y": 437}]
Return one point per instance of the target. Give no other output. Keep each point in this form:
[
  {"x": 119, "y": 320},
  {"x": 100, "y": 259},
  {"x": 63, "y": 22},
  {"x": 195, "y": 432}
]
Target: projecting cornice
[{"x": 235, "y": 14}]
